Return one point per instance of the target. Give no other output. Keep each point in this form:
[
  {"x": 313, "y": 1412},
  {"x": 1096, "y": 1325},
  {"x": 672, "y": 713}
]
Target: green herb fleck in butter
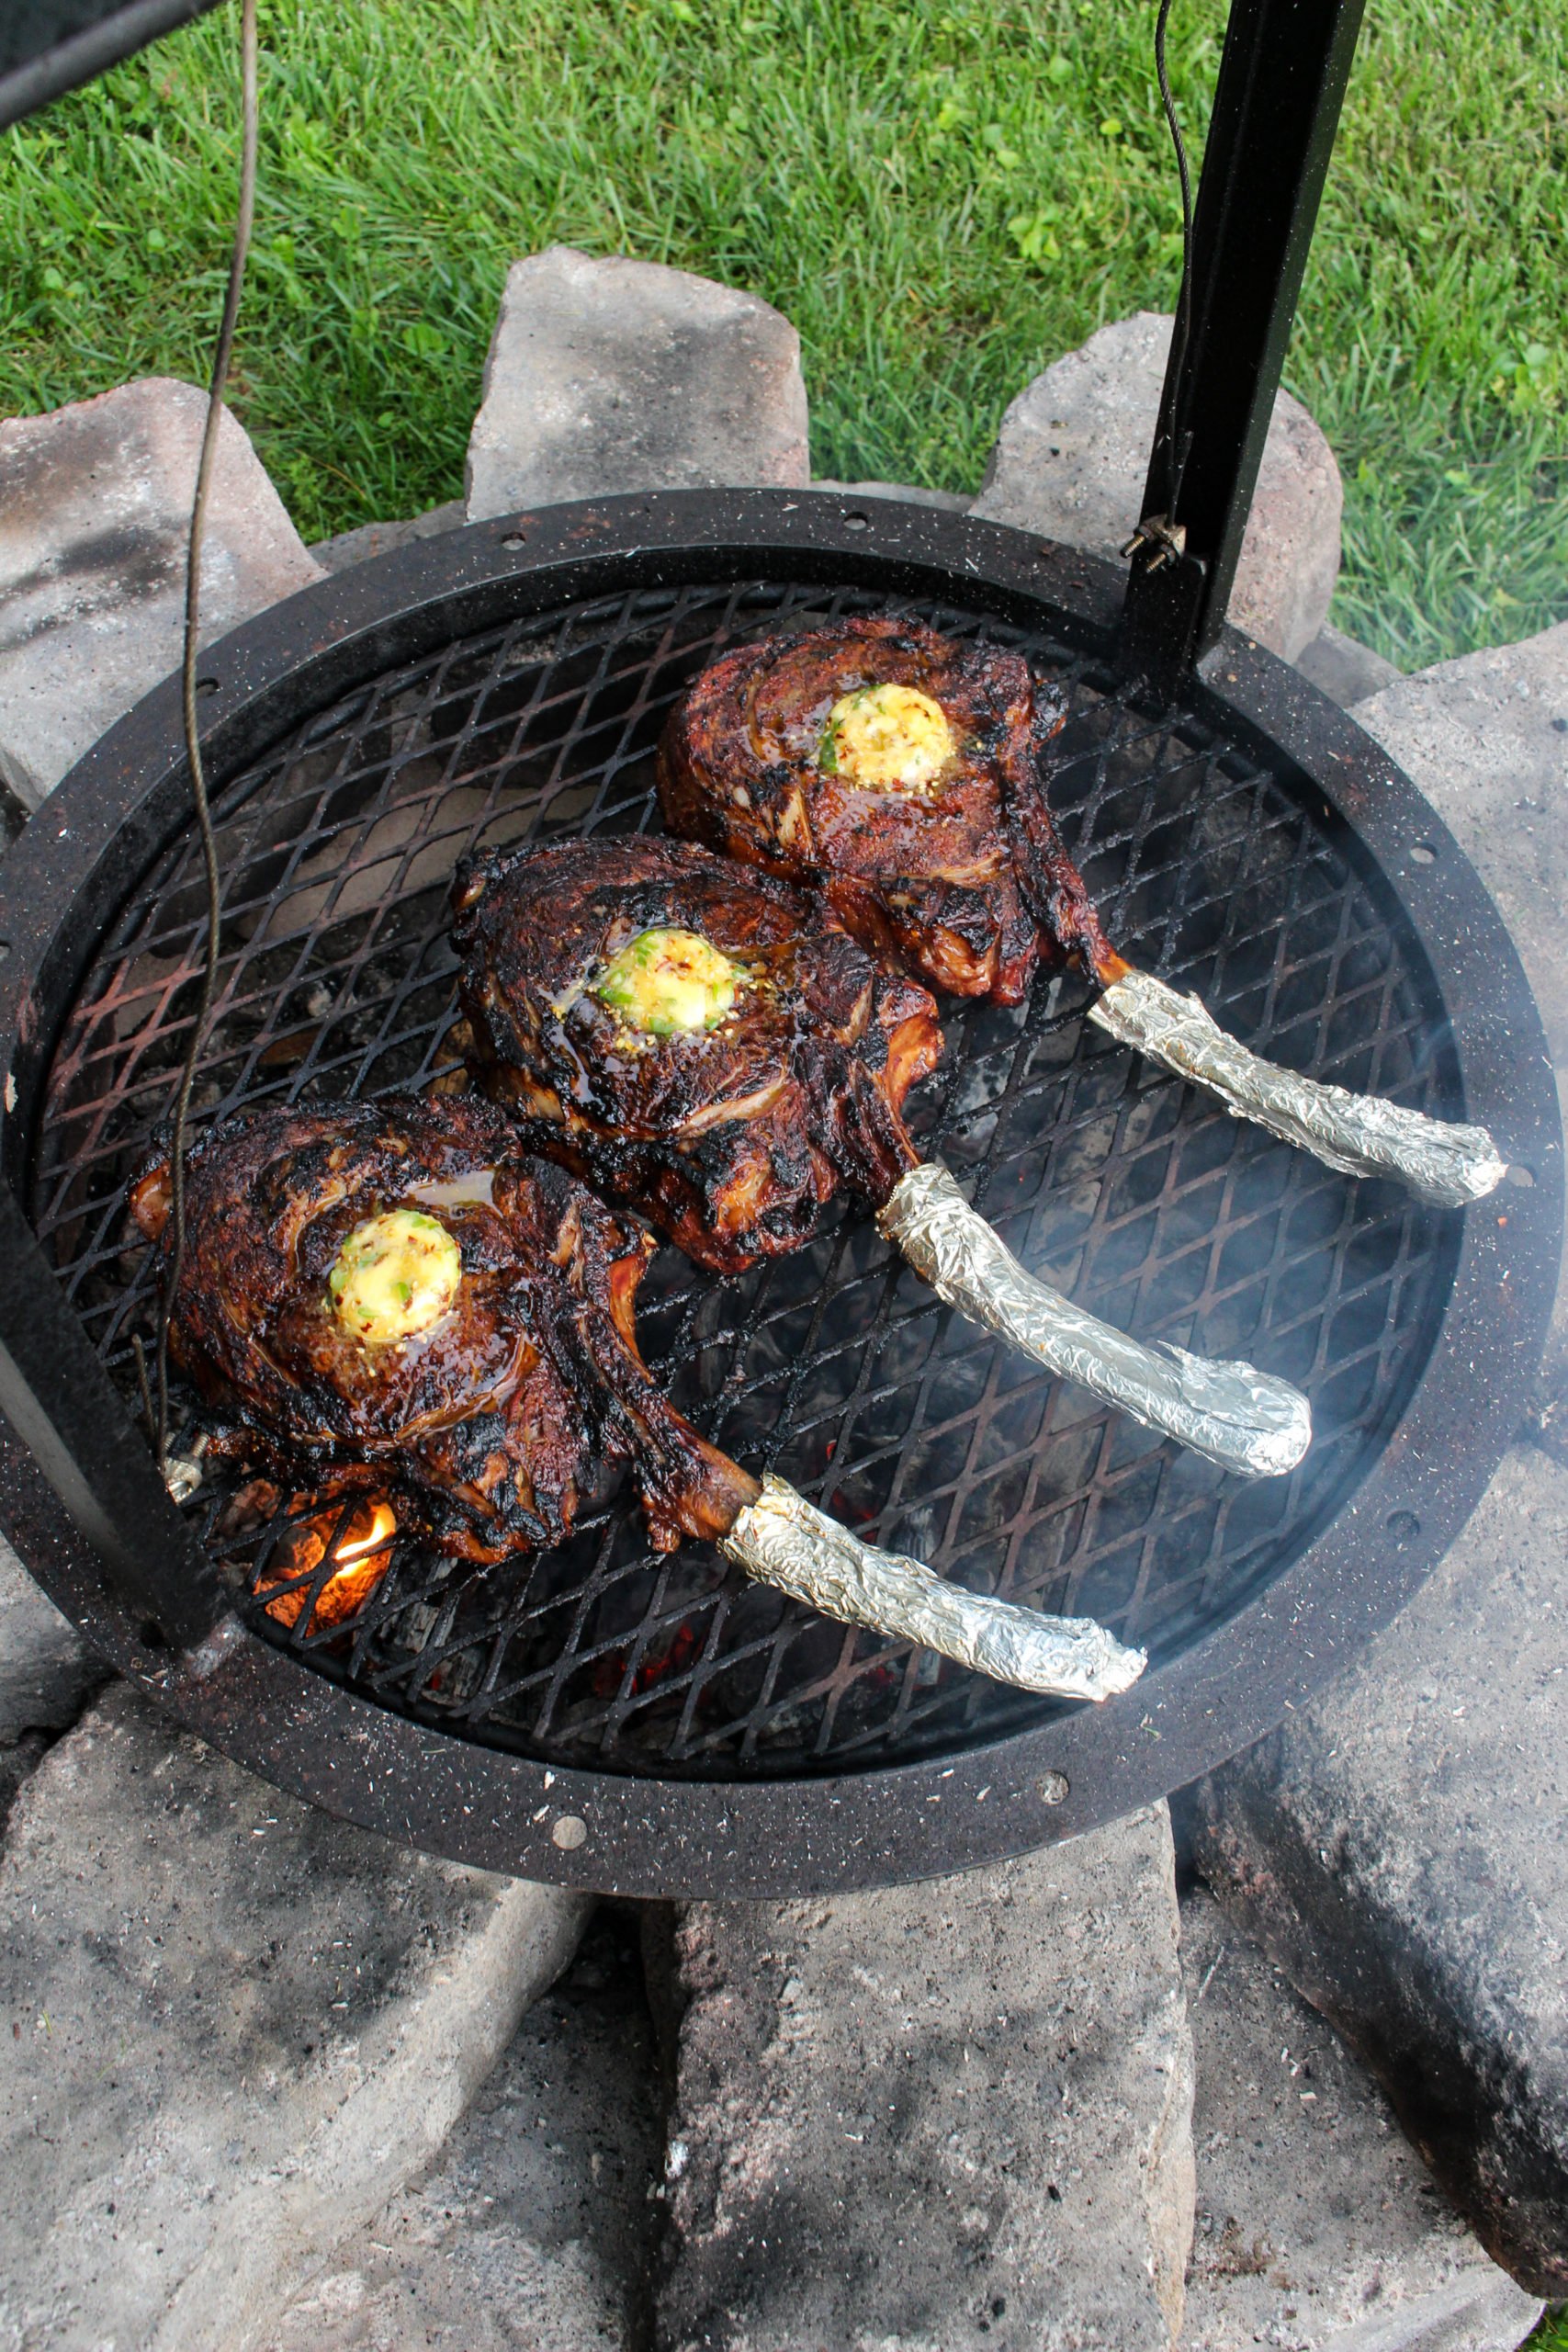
[
  {"x": 395, "y": 1275},
  {"x": 668, "y": 983},
  {"x": 887, "y": 738}
]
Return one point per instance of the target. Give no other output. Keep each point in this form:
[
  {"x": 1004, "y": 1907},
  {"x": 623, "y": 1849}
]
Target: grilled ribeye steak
[
  {"x": 695, "y": 1036},
  {"x": 876, "y": 760},
  {"x": 901, "y": 772},
  {"x": 390, "y": 1293}
]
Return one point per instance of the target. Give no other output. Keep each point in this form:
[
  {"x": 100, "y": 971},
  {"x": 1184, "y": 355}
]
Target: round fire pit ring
[{"x": 601, "y": 1717}]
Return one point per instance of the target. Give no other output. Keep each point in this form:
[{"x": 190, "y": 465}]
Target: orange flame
[
  {"x": 363, "y": 1554},
  {"x": 382, "y": 1528}
]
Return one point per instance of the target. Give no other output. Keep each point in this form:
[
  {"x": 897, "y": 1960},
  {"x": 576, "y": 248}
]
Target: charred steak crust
[
  {"x": 492, "y": 1421},
  {"x": 730, "y": 1139},
  {"x": 929, "y": 875}
]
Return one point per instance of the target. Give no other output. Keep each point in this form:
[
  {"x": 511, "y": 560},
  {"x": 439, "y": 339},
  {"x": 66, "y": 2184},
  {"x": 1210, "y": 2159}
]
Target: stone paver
[
  {"x": 95, "y": 509},
  {"x": 47, "y": 1673},
  {"x": 1486, "y": 738},
  {"x": 937, "y": 2118},
  {"x": 1402, "y": 1846},
  {"x": 368, "y": 539},
  {"x": 903, "y": 493},
  {"x": 1318, "y": 2229},
  {"x": 235, "y": 2028},
  {"x": 46, "y": 1668},
  {"x": 535, "y": 2226},
  {"x": 1072, "y": 455},
  {"x": 607, "y": 375},
  {"x": 1345, "y": 670}
]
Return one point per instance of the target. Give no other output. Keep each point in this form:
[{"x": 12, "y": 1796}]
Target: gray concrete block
[
  {"x": 1402, "y": 1846},
  {"x": 1318, "y": 2229},
  {"x": 904, "y": 493},
  {"x": 621, "y": 375},
  {"x": 368, "y": 539},
  {"x": 46, "y": 1668},
  {"x": 1401, "y": 1849},
  {"x": 535, "y": 2226},
  {"x": 236, "y": 2028},
  {"x": 95, "y": 511},
  {"x": 1344, "y": 669},
  {"x": 949, "y": 2118},
  {"x": 1486, "y": 738},
  {"x": 1073, "y": 452}
]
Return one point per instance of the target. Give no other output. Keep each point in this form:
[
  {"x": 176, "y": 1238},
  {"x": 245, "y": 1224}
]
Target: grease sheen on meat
[
  {"x": 777, "y": 1066},
  {"x": 525, "y": 1383},
  {"x": 913, "y": 851}
]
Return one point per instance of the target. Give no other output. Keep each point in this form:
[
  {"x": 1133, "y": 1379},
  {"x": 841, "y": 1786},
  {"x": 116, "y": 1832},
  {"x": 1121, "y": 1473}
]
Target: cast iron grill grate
[{"x": 836, "y": 1367}]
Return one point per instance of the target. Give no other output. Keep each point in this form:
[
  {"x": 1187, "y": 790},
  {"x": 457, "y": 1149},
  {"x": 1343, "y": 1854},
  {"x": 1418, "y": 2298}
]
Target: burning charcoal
[
  {"x": 358, "y": 1550},
  {"x": 248, "y": 1509}
]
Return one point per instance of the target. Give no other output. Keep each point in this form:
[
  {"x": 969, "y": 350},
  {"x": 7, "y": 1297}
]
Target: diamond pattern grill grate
[{"x": 837, "y": 1367}]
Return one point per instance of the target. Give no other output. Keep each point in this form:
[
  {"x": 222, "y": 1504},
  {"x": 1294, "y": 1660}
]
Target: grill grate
[{"x": 836, "y": 1367}]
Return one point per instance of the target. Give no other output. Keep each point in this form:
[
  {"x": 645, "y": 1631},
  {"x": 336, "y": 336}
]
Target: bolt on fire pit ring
[{"x": 602, "y": 1719}]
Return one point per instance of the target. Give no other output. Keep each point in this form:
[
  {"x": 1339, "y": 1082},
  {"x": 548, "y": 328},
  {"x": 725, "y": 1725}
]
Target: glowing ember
[
  {"x": 362, "y": 1555},
  {"x": 675, "y": 1658}
]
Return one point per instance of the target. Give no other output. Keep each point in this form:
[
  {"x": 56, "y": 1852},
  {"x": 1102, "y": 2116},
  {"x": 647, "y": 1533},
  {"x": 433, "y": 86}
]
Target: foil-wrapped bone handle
[
  {"x": 1360, "y": 1134},
  {"x": 1244, "y": 1420},
  {"x": 783, "y": 1540}
]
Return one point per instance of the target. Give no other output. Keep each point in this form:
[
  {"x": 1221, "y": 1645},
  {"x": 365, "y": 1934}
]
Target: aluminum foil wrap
[
  {"x": 1359, "y": 1134},
  {"x": 783, "y": 1540},
  {"x": 1242, "y": 1418}
]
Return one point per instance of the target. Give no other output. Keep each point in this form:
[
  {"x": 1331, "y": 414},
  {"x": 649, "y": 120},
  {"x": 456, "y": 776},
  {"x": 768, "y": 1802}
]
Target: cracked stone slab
[
  {"x": 1318, "y": 2229},
  {"x": 534, "y": 2224},
  {"x": 368, "y": 539},
  {"x": 1073, "y": 452},
  {"x": 607, "y": 375},
  {"x": 236, "y": 2027},
  {"x": 94, "y": 512},
  {"x": 948, "y": 2118}
]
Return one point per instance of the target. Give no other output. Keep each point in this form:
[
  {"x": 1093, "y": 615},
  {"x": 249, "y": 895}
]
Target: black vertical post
[{"x": 1277, "y": 103}]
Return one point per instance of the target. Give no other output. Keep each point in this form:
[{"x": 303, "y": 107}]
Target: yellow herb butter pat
[
  {"x": 395, "y": 1275},
  {"x": 669, "y": 982},
  {"x": 887, "y": 738}
]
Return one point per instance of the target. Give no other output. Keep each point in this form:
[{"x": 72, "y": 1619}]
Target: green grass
[
  {"x": 1551, "y": 2336},
  {"x": 942, "y": 199}
]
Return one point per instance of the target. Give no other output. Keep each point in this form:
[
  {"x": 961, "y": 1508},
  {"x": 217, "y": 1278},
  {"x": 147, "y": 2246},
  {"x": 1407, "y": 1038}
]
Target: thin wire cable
[
  {"x": 1176, "y": 459},
  {"x": 243, "y": 225}
]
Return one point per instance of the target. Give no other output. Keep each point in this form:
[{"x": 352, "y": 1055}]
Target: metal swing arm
[{"x": 1282, "y": 85}]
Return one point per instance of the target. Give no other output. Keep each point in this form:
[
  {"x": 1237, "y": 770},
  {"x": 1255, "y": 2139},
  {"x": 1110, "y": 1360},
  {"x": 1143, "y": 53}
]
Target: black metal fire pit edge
[{"x": 738, "y": 1837}]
